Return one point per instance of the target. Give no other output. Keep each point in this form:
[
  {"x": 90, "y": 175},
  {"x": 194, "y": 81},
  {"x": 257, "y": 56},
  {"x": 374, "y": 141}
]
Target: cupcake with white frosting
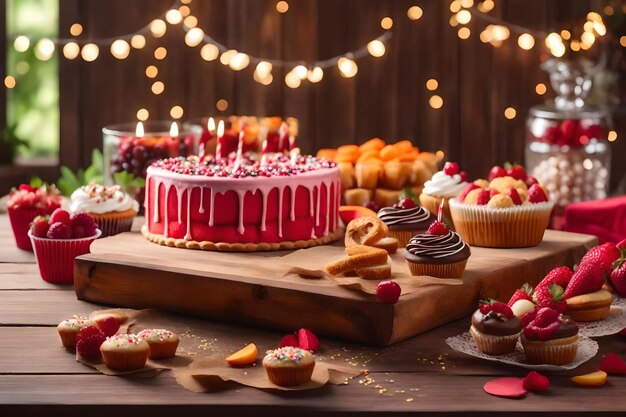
[
  {"x": 112, "y": 209},
  {"x": 444, "y": 185}
]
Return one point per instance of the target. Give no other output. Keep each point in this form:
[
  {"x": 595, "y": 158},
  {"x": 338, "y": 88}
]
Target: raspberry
[
  {"x": 88, "y": 342},
  {"x": 499, "y": 307},
  {"x": 451, "y": 168},
  {"x": 469, "y": 187},
  {"x": 527, "y": 318},
  {"x": 516, "y": 171},
  {"x": 543, "y": 333},
  {"x": 59, "y": 230},
  {"x": 307, "y": 340},
  {"x": 60, "y": 215},
  {"x": 388, "y": 291},
  {"x": 109, "y": 325},
  {"x": 536, "y": 382},
  {"x": 289, "y": 340},
  {"x": 545, "y": 316},
  {"x": 536, "y": 194},
  {"x": 39, "y": 227},
  {"x": 483, "y": 197},
  {"x": 512, "y": 192},
  {"x": 407, "y": 203},
  {"x": 496, "y": 172},
  {"x": 438, "y": 228},
  {"x": 82, "y": 225}
]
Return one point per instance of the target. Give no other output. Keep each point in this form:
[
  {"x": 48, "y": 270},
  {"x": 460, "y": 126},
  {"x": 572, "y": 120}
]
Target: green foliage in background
[
  {"x": 33, "y": 105},
  {"x": 70, "y": 181}
]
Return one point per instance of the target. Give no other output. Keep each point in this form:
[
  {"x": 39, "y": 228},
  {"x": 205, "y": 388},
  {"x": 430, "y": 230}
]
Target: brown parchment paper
[{"x": 310, "y": 264}]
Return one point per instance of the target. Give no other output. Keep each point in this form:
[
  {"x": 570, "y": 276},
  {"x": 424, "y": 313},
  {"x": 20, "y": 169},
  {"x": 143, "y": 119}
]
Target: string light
[
  {"x": 190, "y": 21},
  {"x": 90, "y": 52},
  {"x": 376, "y": 48},
  {"x": 282, "y": 7},
  {"x": 176, "y": 112},
  {"x": 463, "y": 17},
  {"x": 21, "y": 43},
  {"x": 221, "y": 105},
  {"x": 347, "y": 67},
  {"x": 622, "y": 41},
  {"x": 467, "y": 3},
  {"x": 227, "y": 56},
  {"x": 158, "y": 28},
  {"x": 575, "y": 45},
  {"x": 436, "y": 102},
  {"x": 415, "y": 12},
  {"x": 152, "y": 71},
  {"x": 558, "y": 51},
  {"x": 138, "y": 41},
  {"x": 9, "y": 81},
  {"x": 292, "y": 80},
  {"x": 44, "y": 49},
  {"x": 239, "y": 61},
  {"x": 263, "y": 68},
  {"x": 612, "y": 136},
  {"x": 553, "y": 39},
  {"x": 194, "y": 37},
  {"x": 500, "y": 33},
  {"x": 486, "y": 6},
  {"x": 464, "y": 33},
  {"x": 71, "y": 50},
  {"x": 315, "y": 75},
  {"x": 142, "y": 115},
  {"x": 587, "y": 38},
  {"x": 608, "y": 10},
  {"x": 301, "y": 71},
  {"x": 510, "y": 113},
  {"x": 157, "y": 87},
  {"x": 261, "y": 77},
  {"x": 455, "y": 6},
  {"x": 453, "y": 22},
  {"x": 526, "y": 41},
  {"x": 173, "y": 17},
  {"x": 566, "y": 34},
  {"x": 120, "y": 49},
  {"x": 76, "y": 29},
  {"x": 599, "y": 28},
  {"x": 386, "y": 23},
  {"x": 184, "y": 11},
  {"x": 541, "y": 89},
  {"x": 209, "y": 52},
  {"x": 594, "y": 17},
  {"x": 432, "y": 84},
  {"x": 160, "y": 53}
]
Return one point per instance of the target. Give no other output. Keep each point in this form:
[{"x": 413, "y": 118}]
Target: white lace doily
[
  {"x": 464, "y": 343},
  {"x": 613, "y": 323}
]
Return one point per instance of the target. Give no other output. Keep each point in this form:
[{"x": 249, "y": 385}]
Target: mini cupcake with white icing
[
  {"x": 125, "y": 352},
  {"x": 405, "y": 219},
  {"x": 443, "y": 186},
  {"x": 112, "y": 208},
  {"x": 439, "y": 253}
]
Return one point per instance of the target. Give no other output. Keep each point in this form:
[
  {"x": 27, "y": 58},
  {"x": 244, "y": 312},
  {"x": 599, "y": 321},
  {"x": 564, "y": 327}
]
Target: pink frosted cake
[{"x": 213, "y": 205}]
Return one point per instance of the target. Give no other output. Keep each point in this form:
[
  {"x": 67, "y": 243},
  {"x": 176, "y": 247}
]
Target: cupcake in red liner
[
  {"x": 26, "y": 203},
  {"x": 58, "y": 240}
]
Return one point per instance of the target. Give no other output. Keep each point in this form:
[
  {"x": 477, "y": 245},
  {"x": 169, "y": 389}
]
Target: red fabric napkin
[{"x": 605, "y": 219}]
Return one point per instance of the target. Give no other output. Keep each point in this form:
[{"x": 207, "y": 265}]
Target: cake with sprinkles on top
[{"x": 289, "y": 366}]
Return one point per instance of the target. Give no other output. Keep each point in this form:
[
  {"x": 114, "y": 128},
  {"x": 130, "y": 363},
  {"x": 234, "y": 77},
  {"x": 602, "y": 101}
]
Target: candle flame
[
  {"x": 174, "y": 130},
  {"x": 220, "y": 129},
  {"x": 211, "y": 124},
  {"x": 139, "y": 130}
]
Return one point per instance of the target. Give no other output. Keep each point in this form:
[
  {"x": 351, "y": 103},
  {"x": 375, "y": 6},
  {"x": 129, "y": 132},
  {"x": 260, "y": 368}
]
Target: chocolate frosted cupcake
[
  {"x": 405, "y": 219},
  {"x": 549, "y": 337},
  {"x": 495, "y": 329},
  {"x": 439, "y": 252}
]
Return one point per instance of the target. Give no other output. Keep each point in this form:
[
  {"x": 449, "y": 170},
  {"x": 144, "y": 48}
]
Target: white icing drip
[
  {"x": 241, "y": 194},
  {"x": 293, "y": 203},
  {"x": 317, "y": 206},
  {"x": 326, "y": 228},
  {"x": 212, "y": 207},
  {"x": 166, "y": 218},
  {"x": 280, "y": 211},
  {"x": 179, "y": 197},
  {"x": 263, "y": 210},
  {"x": 201, "y": 209},
  {"x": 155, "y": 196},
  {"x": 311, "y": 202},
  {"x": 188, "y": 233}
]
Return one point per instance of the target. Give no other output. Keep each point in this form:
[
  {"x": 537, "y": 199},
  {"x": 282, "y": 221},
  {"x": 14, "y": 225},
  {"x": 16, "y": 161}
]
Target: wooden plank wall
[{"x": 387, "y": 98}]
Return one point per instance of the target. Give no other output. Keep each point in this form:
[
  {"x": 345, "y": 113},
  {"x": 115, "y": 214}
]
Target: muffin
[
  {"x": 163, "y": 343},
  {"x": 26, "y": 203},
  {"x": 112, "y": 209},
  {"x": 444, "y": 185},
  {"x": 405, "y": 219},
  {"x": 439, "y": 252},
  {"x": 549, "y": 337},
  {"x": 495, "y": 329},
  {"x": 125, "y": 352},
  {"x": 503, "y": 213},
  {"x": 289, "y": 366},
  {"x": 590, "y": 307},
  {"x": 69, "y": 328}
]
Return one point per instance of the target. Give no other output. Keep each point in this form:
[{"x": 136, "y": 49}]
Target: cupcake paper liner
[
  {"x": 494, "y": 345},
  {"x": 162, "y": 350},
  {"x": 553, "y": 352},
  {"x": 126, "y": 360},
  {"x": 290, "y": 376},
  {"x": 113, "y": 224},
  {"x": 20, "y": 223},
  {"x": 55, "y": 257},
  {"x": 450, "y": 270},
  {"x": 515, "y": 227}
]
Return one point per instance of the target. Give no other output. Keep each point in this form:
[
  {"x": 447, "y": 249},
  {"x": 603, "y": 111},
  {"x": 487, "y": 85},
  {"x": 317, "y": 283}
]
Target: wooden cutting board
[{"x": 256, "y": 289}]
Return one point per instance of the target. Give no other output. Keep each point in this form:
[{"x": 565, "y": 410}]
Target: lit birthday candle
[
  {"x": 239, "y": 157},
  {"x": 220, "y": 140}
]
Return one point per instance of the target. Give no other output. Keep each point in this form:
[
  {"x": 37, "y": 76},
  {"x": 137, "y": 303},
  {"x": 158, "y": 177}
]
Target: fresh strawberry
[
  {"x": 545, "y": 316},
  {"x": 464, "y": 176},
  {"x": 551, "y": 296},
  {"x": 39, "y": 227},
  {"x": 512, "y": 192},
  {"x": 451, "y": 168},
  {"x": 530, "y": 181},
  {"x": 289, "y": 340},
  {"x": 82, "y": 225},
  {"x": 497, "y": 172},
  {"x": 589, "y": 277},
  {"x": 536, "y": 194},
  {"x": 618, "y": 277},
  {"x": 612, "y": 364},
  {"x": 559, "y": 276},
  {"x": 88, "y": 342},
  {"x": 59, "y": 230},
  {"x": 388, "y": 291},
  {"x": 469, "y": 187},
  {"x": 438, "y": 228},
  {"x": 536, "y": 382},
  {"x": 483, "y": 197},
  {"x": 622, "y": 247},
  {"x": 527, "y": 318},
  {"x": 60, "y": 215},
  {"x": 307, "y": 340},
  {"x": 109, "y": 325},
  {"x": 603, "y": 255},
  {"x": 407, "y": 203},
  {"x": 516, "y": 171},
  {"x": 524, "y": 293}
]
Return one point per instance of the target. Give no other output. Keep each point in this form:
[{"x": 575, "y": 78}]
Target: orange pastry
[
  {"x": 367, "y": 174},
  {"x": 404, "y": 146},
  {"x": 346, "y": 173},
  {"x": 361, "y": 249},
  {"x": 389, "y": 152},
  {"x": 355, "y": 262},
  {"x": 357, "y": 196},
  {"x": 327, "y": 153},
  {"x": 372, "y": 144},
  {"x": 375, "y": 272},
  {"x": 384, "y": 197},
  {"x": 365, "y": 231},
  {"x": 590, "y": 307},
  {"x": 390, "y": 244}
]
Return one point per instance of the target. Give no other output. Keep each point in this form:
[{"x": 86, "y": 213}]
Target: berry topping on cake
[
  {"x": 60, "y": 216},
  {"x": 307, "y": 340},
  {"x": 39, "y": 227},
  {"x": 543, "y": 326},
  {"x": 496, "y": 307},
  {"x": 536, "y": 194},
  {"x": 483, "y": 197},
  {"x": 545, "y": 316},
  {"x": 527, "y": 318},
  {"x": 451, "y": 168},
  {"x": 469, "y": 187},
  {"x": 82, "y": 225},
  {"x": 524, "y": 293},
  {"x": 438, "y": 228},
  {"x": 46, "y": 198},
  {"x": 289, "y": 340},
  {"x": 551, "y": 296},
  {"x": 388, "y": 291},
  {"x": 618, "y": 277},
  {"x": 59, "y": 230},
  {"x": 109, "y": 325},
  {"x": 604, "y": 256},
  {"x": 588, "y": 278},
  {"x": 407, "y": 203},
  {"x": 514, "y": 195},
  {"x": 88, "y": 342},
  {"x": 497, "y": 172},
  {"x": 516, "y": 171}
]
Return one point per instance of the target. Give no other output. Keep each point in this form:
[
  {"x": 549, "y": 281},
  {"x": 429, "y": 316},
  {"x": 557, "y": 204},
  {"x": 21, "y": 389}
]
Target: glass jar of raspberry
[{"x": 566, "y": 141}]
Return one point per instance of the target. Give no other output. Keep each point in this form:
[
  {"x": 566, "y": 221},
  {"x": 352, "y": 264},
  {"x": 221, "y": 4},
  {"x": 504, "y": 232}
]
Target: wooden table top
[{"x": 420, "y": 375}]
